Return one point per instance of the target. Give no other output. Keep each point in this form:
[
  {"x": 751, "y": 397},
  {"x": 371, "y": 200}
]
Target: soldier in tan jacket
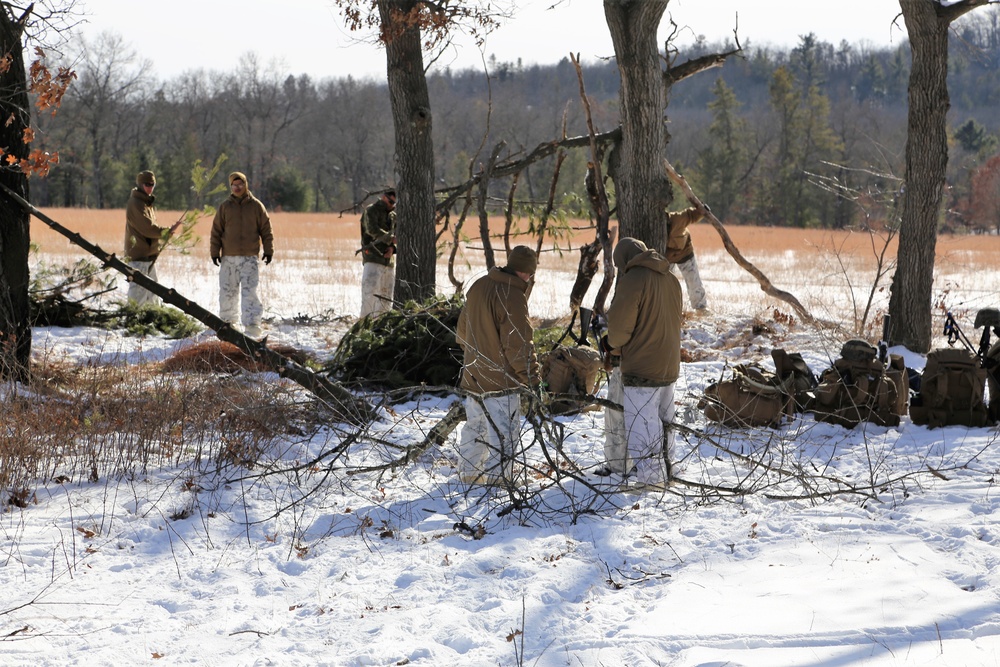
[
  {"x": 499, "y": 359},
  {"x": 680, "y": 253},
  {"x": 644, "y": 326},
  {"x": 143, "y": 237},
  {"x": 240, "y": 228}
]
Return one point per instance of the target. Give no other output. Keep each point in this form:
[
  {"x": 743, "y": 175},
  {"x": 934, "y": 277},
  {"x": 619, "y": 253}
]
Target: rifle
[
  {"x": 988, "y": 319},
  {"x": 883, "y": 344}
]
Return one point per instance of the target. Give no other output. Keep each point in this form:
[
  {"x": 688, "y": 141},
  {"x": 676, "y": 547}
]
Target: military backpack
[
  {"x": 861, "y": 388},
  {"x": 571, "y": 370},
  {"x": 754, "y": 396},
  {"x": 952, "y": 390}
]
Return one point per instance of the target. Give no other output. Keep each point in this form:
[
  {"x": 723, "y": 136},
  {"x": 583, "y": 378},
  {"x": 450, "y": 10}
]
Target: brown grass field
[
  {"x": 295, "y": 232},
  {"x": 831, "y": 272}
]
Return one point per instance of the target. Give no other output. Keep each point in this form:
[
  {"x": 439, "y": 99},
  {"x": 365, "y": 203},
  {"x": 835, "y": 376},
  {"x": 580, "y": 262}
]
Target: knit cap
[
  {"x": 523, "y": 259},
  {"x": 145, "y": 178},
  {"x": 237, "y": 175}
]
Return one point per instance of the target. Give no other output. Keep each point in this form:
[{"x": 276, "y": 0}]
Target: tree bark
[
  {"x": 926, "y": 161},
  {"x": 15, "y": 239},
  {"x": 643, "y": 191},
  {"x": 412, "y": 121}
]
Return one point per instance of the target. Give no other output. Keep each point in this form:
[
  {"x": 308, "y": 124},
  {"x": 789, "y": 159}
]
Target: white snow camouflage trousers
[
  {"x": 238, "y": 277},
  {"x": 692, "y": 280},
  {"x": 376, "y": 288},
  {"x": 615, "y": 444},
  {"x": 647, "y": 412},
  {"x": 488, "y": 451},
  {"x": 141, "y": 295}
]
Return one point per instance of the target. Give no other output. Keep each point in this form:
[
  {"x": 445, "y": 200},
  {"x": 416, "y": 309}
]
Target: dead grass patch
[
  {"x": 89, "y": 422},
  {"x": 216, "y": 356}
]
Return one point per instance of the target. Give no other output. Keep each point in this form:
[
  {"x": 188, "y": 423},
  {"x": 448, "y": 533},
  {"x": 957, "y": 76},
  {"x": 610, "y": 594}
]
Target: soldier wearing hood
[
  {"x": 499, "y": 359},
  {"x": 240, "y": 228},
  {"x": 644, "y": 327}
]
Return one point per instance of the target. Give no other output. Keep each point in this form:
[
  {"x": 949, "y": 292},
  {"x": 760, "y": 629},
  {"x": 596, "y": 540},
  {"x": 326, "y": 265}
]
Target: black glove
[
  {"x": 267, "y": 259},
  {"x": 216, "y": 260}
]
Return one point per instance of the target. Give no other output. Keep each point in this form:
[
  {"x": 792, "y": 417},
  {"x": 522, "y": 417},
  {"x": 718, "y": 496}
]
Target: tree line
[{"x": 775, "y": 137}]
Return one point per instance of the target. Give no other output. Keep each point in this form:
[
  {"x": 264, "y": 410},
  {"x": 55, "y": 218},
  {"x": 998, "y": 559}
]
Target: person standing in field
[
  {"x": 378, "y": 245},
  {"x": 680, "y": 252},
  {"x": 644, "y": 327},
  {"x": 498, "y": 360},
  {"x": 143, "y": 237},
  {"x": 240, "y": 227}
]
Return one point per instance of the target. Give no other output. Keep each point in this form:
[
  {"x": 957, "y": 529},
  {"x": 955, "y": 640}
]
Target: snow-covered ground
[{"x": 288, "y": 564}]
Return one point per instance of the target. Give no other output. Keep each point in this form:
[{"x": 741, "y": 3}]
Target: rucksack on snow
[
  {"x": 859, "y": 387},
  {"x": 754, "y": 396},
  {"x": 571, "y": 370},
  {"x": 952, "y": 390}
]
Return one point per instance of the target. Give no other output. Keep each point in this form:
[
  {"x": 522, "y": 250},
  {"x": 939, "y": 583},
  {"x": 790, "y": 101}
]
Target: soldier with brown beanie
[
  {"x": 143, "y": 237},
  {"x": 499, "y": 359},
  {"x": 680, "y": 253},
  {"x": 240, "y": 227}
]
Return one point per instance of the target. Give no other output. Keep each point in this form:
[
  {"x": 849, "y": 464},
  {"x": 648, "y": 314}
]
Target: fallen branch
[{"x": 727, "y": 241}]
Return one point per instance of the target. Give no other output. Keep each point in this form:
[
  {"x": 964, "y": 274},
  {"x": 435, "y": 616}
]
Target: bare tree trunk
[
  {"x": 643, "y": 190},
  {"x": 411, "y": 114},
  {"x": 15, "y": 318},
  {"x": 926, "y": 161}
]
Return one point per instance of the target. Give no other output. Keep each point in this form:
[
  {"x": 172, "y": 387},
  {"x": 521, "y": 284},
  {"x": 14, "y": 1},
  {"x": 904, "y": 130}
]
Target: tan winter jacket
[
  {"x": 679, "y": 247},
  {"x": 378, "y": 225},
  {"x": 495, "y": 335},
  {"x": 142, "y": 234},
  {"x": 644, "y": 319},
  {"x": 239, "y": 228}
]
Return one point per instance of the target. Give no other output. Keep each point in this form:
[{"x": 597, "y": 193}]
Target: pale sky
[{"x": 306, "y": 36}]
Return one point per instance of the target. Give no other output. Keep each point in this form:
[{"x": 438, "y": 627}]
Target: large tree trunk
[
  {"x": 411, "y": 114},
  {"x": 643, "y": 191},
  {"x": 926, "y": 160},
  {"x": 15, "y": 320}
]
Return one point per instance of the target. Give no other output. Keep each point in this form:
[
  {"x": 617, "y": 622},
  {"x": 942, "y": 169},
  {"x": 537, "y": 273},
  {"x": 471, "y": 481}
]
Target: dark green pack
[
  {"x": 952, "y": 390},
  {"x": 754, "y": 396},
  {"x": 860, "y": 388}
]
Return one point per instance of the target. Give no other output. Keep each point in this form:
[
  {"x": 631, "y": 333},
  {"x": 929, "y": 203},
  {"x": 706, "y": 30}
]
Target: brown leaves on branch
[
  {"x": 435, "y": 20},
  {"x": 48, "y": 88}
]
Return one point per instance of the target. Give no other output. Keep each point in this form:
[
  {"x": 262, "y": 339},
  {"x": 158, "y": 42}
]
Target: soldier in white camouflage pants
[
  {"x": 240, "y": 230},
  {"x": 238, "y": 301}
]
